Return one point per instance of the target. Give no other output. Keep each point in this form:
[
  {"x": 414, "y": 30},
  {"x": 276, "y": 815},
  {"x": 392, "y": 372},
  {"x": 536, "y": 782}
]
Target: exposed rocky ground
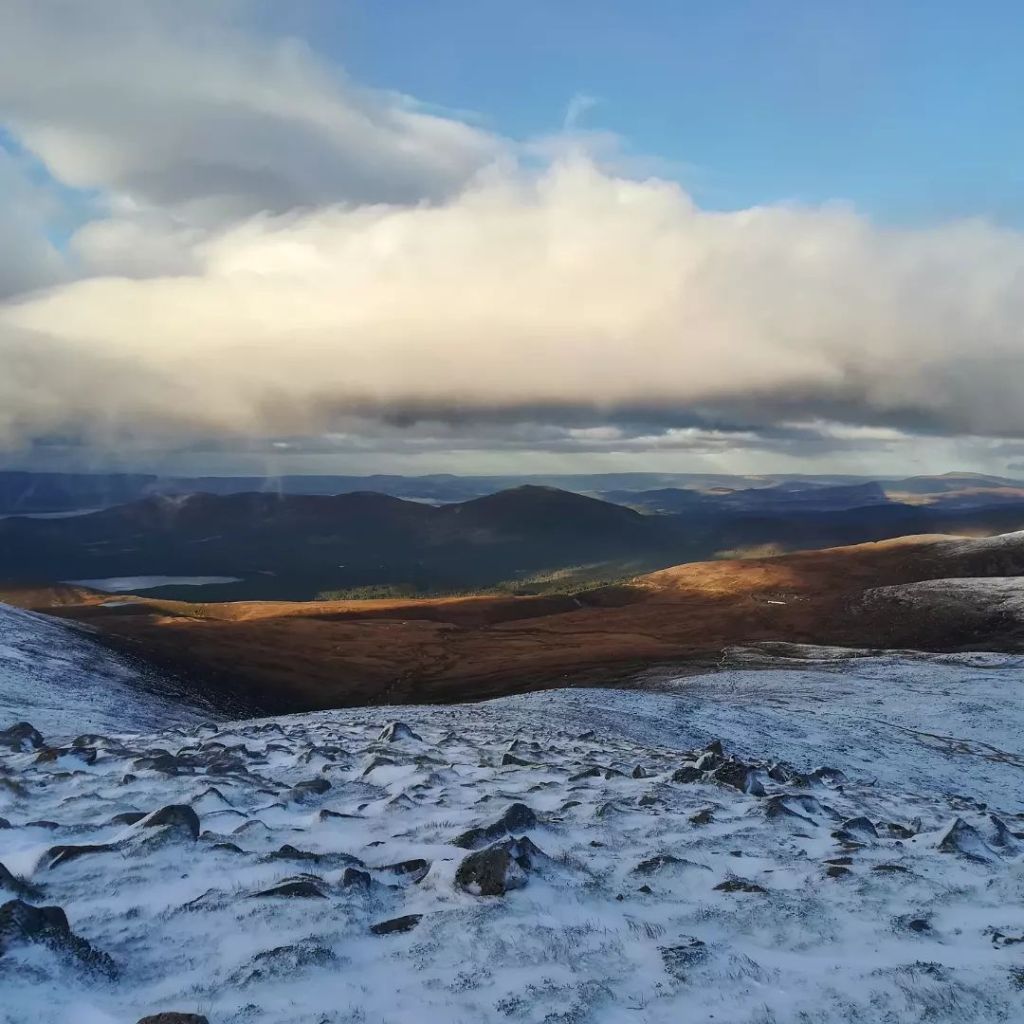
[{"x": 849, "y": 851}]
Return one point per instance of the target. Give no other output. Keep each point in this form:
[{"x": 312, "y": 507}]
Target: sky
[{"x": 464, "y": 236}]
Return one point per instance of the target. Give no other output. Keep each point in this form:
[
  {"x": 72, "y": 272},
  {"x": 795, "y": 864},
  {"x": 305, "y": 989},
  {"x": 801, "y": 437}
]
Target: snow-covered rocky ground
[
  {"x": 56, "y": 676},
  {"x": 571, "y": 856}
]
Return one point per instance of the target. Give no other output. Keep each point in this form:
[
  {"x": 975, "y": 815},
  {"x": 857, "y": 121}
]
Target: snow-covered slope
[
  {"x": 54, "y": 674},
  {"x": 337, "y": 876}
]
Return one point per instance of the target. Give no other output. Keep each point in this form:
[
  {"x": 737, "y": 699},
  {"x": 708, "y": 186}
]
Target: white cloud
[
  {"x": 284, "y": 253},
  {"x": 573, "y": 290},
  {"x": 173, "y": 105}
]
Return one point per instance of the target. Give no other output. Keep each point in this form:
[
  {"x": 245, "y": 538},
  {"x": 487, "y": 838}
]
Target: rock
[
  {"x": 890, "y": 869},
  {"x": 355, "y": 877},
  {"x": 794, "y": 806},
  {"x": 828, "y": 776},
  {"x": 396, "y": 925},
  {"x": 284, "y": 961},
  {"x": 498, "y": 869},
  {"x": 311, "y": 787},
  {"x": 173, "y": 1017},
  {"x": 739, "y": 885},
  {"x": 4, "y": 823},
  {"x": 664, "y": 860},
  {"x": 715, "y": 747},
  {"x": 178, "y": 819},
  {"x": 48, "y": 755},
  {"x": 416, "y": 869},
  {"x": 516, "y": 818},
  {"x": 861, "y": 827},
  {"x": 739, "y": 776},
  {"x": 12, "y": 884},
  {"x": 707, "y": 761},
  {"x": 1000, "y": 836},
  {"x": 638, "y": 772},
  {"x": 161, "y": 761},
  {"x": 704, "y": 816},
  {"x": 688, "y": 773},
  {"x": 965, "y": 840},
  {"x": 127, "y": 818},
  {"x": 57, "y": 855},
  {"x": 23, "y": 924},
  {"x": 302, "y": 887},
  {"x": 836, "y": 871},
  {"x": 395, "y": 731},
  {"x": 587, "y": 773},
  {"x": 892, "y": 830},
  {"x": 21, "y": 737},
  {"x": 511, "y": 761}
]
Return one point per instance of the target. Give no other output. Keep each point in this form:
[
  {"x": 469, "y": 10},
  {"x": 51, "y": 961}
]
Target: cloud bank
[{"x": 277, "y": 252}]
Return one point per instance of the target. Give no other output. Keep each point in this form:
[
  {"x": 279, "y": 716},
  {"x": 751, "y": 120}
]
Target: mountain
[
  {"x": 23, "y": 492},
  {"x": 527, "y": 539},
  {"x": 795, "y": 496},
  {"x": 282, "y": 546}
]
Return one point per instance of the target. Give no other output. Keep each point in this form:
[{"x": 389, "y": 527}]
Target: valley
[{"x": 288, "y": 656}]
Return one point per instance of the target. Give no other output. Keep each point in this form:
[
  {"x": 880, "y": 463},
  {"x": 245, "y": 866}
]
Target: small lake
[{"x": 132, "y": 584}]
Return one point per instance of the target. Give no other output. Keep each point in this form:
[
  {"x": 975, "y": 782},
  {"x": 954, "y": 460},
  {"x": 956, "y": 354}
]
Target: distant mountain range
[
  {"x": 32, "y": 493},
  {"x": 529, "y": 539}
]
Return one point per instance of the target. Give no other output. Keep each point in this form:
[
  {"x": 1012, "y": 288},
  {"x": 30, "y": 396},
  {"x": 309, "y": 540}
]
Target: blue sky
[{"x": 912, "y": 110}]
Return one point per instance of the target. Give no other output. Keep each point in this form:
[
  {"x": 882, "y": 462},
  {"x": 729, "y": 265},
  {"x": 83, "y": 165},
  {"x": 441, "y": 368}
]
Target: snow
[
  {"x": 907, "y": 932},
  {"x": 57, "y": 677},
  {"x": 132, "y": 584},
  {"x": 985, "y": 593}
]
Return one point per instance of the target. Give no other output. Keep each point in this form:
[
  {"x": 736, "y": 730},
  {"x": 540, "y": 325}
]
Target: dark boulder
[
  {"x": 517, "y": 818},
  {"x": 965, "y": 840},
  {"x": 10, "y": 883},
  {"x": 173, "y": 1017},
  {"x": 127, "y": 818},
  {"x": 396, "y": 925},
  {"x": 57, "y": 855},
  {"x": 311, "y": 787},
  {"x": 302, "y": 887},
  {"x": 23, "y": 924},
  {"x": 177, "y": 818},
  {"x": 498, "y": 869},
  {"x": 739, "y": 885},
  {"x": 739, "y": 776},
  {"x": 353, "y": 877},
  {"x": 22, "y": 737},
  {"x": 394, "y": 731}
]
